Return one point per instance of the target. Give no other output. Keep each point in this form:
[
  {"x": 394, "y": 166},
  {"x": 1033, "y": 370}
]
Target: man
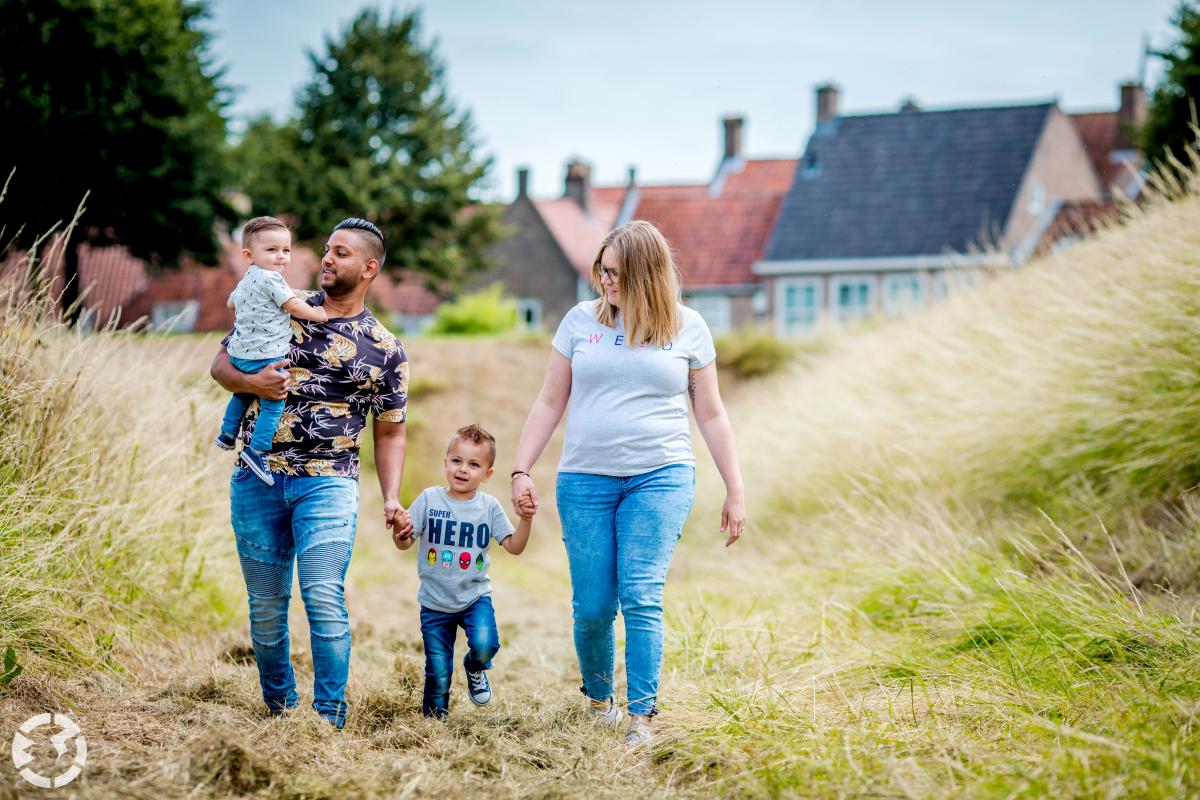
[{"x": 339, "y": 370}]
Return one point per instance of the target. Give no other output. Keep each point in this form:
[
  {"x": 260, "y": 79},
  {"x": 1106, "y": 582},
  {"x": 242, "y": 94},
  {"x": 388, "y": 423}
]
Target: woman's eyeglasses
[{"x": 605, "y": 272}]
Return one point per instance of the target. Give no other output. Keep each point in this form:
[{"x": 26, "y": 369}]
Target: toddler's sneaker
[
  {"x": 639, "y": 733},
  {"x": 603, "y": 712},
  {"x": 478, "y": 688},
  {"x": 257, "y": 463},
  {"x": 225, "y": 441}
]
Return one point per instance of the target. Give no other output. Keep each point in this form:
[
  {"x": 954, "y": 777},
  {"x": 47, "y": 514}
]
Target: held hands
[
  {"x": 733, "y": 517},
  {"x": 396, "y": 518},
  {"x": 524, "y": 498}
]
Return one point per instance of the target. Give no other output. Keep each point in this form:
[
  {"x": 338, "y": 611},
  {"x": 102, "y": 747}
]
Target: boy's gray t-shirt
[
  {"x": 453, "y": 538},
  {"x": 261, "y": 328},
  {"x": 628, "y": 412}
]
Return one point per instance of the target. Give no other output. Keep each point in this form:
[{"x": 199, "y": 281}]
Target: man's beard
[{"x": 342, "y": 285}]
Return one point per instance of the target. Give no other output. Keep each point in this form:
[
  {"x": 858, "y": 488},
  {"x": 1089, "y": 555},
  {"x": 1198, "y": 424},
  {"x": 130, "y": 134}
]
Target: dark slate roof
[{"x": 906, "y": 183}]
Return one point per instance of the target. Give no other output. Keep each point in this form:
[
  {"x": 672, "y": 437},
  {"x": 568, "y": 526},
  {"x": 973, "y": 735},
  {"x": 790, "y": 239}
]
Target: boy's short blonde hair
[
  {"x": 257, "y": 226},
  {"x": 475, "y": 435}
]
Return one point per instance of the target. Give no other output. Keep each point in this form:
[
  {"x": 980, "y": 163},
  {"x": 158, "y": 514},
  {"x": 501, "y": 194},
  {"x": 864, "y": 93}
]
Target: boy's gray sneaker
[
  {"x": 225, "y": 441},
  {"x": 478, "y": 688},
  {"x": 603, "y": 713},
  {"x": 639, "y": 733},
  {"x": 257, "y": 463}
]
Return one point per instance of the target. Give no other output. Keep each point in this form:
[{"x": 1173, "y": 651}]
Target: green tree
[
  {"x": 1176, "y": 99},
  {"x": 116, "y": 99},
  {"x": 377, "y": 136}
]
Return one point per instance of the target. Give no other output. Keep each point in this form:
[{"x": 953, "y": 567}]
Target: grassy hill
[{"x": 971, "y": 568}]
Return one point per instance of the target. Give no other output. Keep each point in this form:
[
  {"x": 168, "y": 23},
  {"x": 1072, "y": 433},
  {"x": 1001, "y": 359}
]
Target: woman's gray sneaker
[
  {"x": 603, "y": 713},
  {"x": 639, "y": 733}
]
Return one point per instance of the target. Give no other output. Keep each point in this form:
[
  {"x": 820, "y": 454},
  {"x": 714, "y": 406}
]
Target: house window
[
  {"x": 903, "y": 293},
  {"x": 715, "y": 310},
  {"x": 529, "y": 313},
  {"x": 798, "y": 304},
  {"x": 853, "y": 297},
  {"x": 175, "y": 317}
]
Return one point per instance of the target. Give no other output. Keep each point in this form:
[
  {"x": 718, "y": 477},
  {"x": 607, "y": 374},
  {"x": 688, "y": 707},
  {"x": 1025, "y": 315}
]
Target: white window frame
[
  {"x": 715, "y": 309},
  {"x": 910, "y": 304},
  {"x": 781, "y": 315},
  {"x": 175, "y": 316},
  {"x": 532, "y": 307},
  {"x": 835, "y": 290}
]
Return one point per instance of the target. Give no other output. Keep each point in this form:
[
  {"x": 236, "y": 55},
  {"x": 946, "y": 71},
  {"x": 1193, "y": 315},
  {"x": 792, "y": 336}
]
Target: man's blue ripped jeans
[{"x": 309, "y": 521}]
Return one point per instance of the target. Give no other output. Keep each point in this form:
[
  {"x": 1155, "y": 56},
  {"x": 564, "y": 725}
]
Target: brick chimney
[
  {"x": 827, "y": 102},
  {"x": 733, "y": 136},
  {"x": 1132, "y": 114},
  {"x": 522, "y": 182},
  {"x": 578, "y": 185}
]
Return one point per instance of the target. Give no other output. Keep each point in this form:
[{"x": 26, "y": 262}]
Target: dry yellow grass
[{"x": 901, "y": 620}]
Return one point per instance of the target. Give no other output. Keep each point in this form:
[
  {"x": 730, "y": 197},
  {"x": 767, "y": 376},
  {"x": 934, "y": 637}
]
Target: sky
[{"x": 644, "y": 84}]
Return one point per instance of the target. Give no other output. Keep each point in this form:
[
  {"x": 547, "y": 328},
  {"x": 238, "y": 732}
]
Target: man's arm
[
  {"x": 268, "y": 382},
  {"x": 389, "y": 463}
]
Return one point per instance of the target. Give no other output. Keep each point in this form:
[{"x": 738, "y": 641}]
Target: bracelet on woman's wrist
[{"x": 513, "y": 475}]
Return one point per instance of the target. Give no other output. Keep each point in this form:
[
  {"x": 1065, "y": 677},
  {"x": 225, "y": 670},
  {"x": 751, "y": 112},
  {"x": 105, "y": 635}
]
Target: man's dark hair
[{"x": 370, "y": 235}]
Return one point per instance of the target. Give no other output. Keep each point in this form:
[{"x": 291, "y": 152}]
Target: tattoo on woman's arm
[{"x": 692, "y": 389}]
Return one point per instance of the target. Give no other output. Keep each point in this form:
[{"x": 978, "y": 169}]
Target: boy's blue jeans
[
  {"x": 620, "y": 534},
  {"x": 311, "y": 521},
  {"x": 438, "y": 630},
  {"x": 269, "y": 411}
]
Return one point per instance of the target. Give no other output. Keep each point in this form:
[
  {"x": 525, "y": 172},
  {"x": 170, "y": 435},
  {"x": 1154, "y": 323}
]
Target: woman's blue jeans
[
  {"x": 269, "y": 411},
  {"x": 311, "y": 521},
  {"x": 438, "y": 629},
  {"x": 620, "y": 534}
]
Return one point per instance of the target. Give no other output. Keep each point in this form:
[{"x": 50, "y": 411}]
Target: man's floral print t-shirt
[{"x": 340, "y": 370}]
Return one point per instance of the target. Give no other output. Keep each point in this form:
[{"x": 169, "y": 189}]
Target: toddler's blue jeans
[
  {"x": 269, "y": 411},
  {"x": 311, "y": 521},
  {"x": 438, "y": 630},
  {"x": 620, "y": 533}
]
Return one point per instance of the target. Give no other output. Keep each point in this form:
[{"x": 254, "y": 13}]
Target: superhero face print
[
  {"x": 464, "y": 560},
  {"x": 447, "y": 558},
  {"x": 431, "y": 556},
  {"x": 479, "y": 563}
]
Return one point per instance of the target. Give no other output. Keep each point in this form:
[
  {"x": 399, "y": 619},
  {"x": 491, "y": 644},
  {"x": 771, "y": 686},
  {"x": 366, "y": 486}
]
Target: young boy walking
[
  {"x": 454, "y": 525},
  {"x": 263, "y": 306}
]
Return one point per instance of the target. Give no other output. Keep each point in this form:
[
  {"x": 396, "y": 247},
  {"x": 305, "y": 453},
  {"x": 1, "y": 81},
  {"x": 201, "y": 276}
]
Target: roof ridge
[{"x": 953, "y": 110}]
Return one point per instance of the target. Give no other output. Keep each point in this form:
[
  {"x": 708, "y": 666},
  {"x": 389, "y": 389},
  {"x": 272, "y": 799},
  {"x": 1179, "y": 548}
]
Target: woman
[{"x": 626, "y": 482}]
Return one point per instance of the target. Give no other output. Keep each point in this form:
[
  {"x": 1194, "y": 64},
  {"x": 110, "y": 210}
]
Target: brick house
[
  {"x": 716, "y": 229},
  {"x": 546, "y": 262},
  {"x": 888, "y": 211}
]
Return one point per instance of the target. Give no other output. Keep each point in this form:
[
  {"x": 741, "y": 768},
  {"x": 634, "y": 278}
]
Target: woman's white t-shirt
[{"x": 628, "y": 412}]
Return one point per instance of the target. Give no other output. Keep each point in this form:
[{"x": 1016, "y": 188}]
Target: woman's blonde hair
[{"x": 648, "y": 282}]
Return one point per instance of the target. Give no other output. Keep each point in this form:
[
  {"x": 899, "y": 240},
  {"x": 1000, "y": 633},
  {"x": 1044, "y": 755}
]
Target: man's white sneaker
[
  {"x": 639, "y": 733},
  {"x": 603, "y": 712},
  {"x": 478, "y": 688}
]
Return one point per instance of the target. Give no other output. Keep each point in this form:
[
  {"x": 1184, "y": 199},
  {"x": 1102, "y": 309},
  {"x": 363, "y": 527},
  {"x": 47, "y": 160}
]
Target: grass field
[{"x": 971, "y": 567}]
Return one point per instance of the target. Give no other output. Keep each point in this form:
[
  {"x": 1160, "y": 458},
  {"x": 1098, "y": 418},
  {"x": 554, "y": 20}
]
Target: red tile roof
[
  {"x": 406, "y": 295},
  {"x": 772, "y": 175},
  {"x": 578, "y": 233},
  {"x": 717, "y": 239},
  {"x": 1101, "y": 134},
  {"x": 1077, "y": 219}
]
